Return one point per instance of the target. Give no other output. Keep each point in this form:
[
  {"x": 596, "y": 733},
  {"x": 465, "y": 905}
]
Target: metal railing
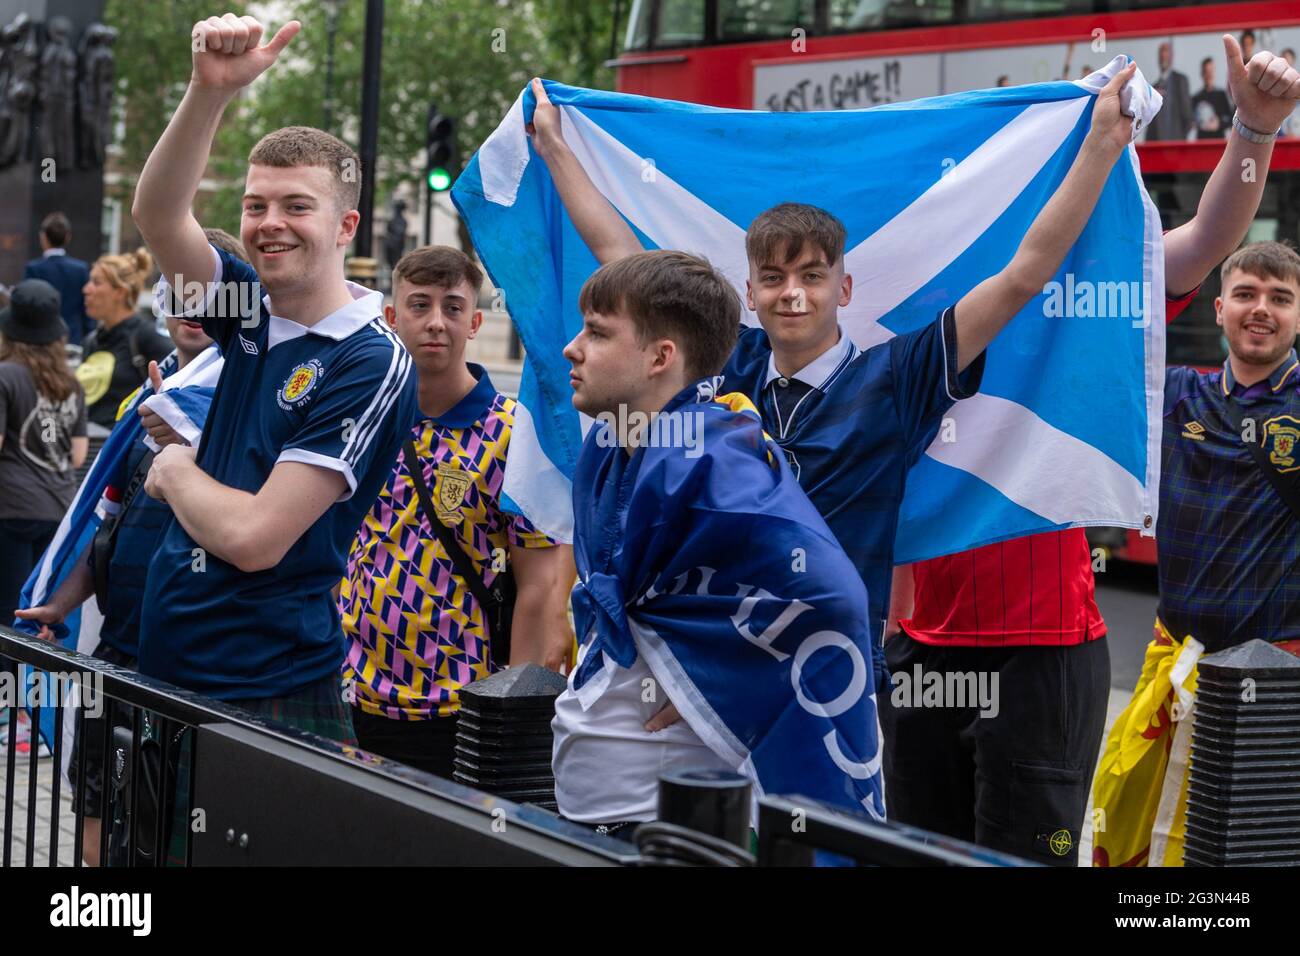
[{"x": 269, "y": 793}]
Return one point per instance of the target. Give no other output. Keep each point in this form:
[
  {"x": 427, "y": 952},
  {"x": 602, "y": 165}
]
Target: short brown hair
[
  {"x": 304, "y": 146},
  {"x": 671, "y": 295},
  {"x": 1265, "y": 260},
  {"x": 780, "y": 234},
  {"x": 442, "y": 266},
  {"x": 56, "y": 229},
  {"x": 226, "y": 242}
]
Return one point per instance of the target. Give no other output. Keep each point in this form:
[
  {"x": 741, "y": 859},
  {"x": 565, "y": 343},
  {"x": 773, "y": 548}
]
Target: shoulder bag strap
[{"x": 459, "y": 559}]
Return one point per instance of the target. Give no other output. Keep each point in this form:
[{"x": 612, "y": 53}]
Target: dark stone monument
[
  {"x": 18, "y": 91},
  {"x": 95, "y": 91},
  {"x": 56, "y": 89},
  {"x": 58, "y": 94}
]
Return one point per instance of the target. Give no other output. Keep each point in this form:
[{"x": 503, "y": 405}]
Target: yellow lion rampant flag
[{"x": 1140, "y": 792}]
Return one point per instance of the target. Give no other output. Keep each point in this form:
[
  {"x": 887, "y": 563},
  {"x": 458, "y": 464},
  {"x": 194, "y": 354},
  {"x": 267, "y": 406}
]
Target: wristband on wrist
[{"x": 1251, "y": 135}]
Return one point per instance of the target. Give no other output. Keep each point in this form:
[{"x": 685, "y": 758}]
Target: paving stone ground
[{"x": 44, "y": 803}]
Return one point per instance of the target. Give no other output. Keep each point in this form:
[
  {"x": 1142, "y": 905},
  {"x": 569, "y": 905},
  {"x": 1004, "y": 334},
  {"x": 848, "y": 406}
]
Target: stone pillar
[{"x": 56, "y": 44}]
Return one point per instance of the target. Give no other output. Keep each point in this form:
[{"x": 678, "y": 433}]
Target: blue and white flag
[
  {"x": 183, "y": 403},
  {"x": 936, "y": 195},
  {"x": 701, "y": 554}
]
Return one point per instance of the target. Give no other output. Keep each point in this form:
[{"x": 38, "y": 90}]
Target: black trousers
[
  {"x": 1015, "y": 780},
  {"x": 423, "y": 744},
  {"x": 91, "y": 740},
  {"x": 22, "y": 542}
]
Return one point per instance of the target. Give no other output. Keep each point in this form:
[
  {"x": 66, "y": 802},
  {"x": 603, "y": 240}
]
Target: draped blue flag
[
  {"x": 702, "y": 554},
  {"x": 936, "y": 195},
  {"x": 183, "y": 404}
]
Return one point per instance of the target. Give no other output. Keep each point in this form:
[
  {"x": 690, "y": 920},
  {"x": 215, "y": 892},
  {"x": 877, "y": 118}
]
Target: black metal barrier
[
  {"x": 254, "y": 792},
  {"x": 264, "y": 793},
  {"x": 273, "y": 802},
  {"x": 792, "y": 831}
]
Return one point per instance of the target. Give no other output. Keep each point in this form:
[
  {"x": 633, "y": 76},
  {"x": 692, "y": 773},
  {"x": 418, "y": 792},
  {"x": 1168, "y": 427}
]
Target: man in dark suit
[
  {"x": 63, "y": 272},
  {"x": 1175, "y": 119}
]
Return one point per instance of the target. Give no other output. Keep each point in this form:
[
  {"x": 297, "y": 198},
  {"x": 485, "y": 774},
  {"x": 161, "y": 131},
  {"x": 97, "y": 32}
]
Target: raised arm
[
  {"x": 227, "y": 58},
  {"x": 989, "y": 306},
  {"x": 604, "y": 231},
  {"x": 1265, "y": 91},
  {"x": 982, "y": 312}
]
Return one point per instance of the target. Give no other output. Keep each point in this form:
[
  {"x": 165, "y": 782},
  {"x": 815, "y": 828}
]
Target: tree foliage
[
  {"x": 471, "y": 57},
  {"x": 153, "y": 68}
]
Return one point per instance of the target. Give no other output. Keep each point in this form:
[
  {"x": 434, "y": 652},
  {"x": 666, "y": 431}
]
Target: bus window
[
  {"x": 844, "y": 16},
  {"x": 638, "y": 25},
  {"x": 764, "y": 19},
  {"x": 849, "y": 15},
  {"x": 667, "y": 24},
  {"x": 681, "y": 23},
  {"x": 1006, "y": 9},
  {"x": 1195, "y": 338}
]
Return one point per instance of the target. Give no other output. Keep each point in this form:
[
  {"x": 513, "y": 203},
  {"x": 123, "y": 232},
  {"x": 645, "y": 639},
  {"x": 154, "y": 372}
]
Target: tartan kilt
[{"x": 318, "y": 708}]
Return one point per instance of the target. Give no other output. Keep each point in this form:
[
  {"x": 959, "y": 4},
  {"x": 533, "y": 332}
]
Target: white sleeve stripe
[
  {"x": 162, "y": 290},
  {"x": 390, "y": 401},
  {"x": 308, "y": 457},
  {"x": 394, "y": 380},
  {"x": 404, "y": 372},
  {"x": 943, "y": 344},
  {"x": 374, "y": 411}
]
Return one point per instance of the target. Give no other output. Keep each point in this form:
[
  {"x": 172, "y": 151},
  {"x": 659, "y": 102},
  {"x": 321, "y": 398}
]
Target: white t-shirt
[{"x": 606, "y": 764}]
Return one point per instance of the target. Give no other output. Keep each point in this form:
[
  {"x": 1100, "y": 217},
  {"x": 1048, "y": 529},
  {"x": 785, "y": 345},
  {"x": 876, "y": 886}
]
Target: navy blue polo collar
[
  {"x": 1288, "y": 373},
  {"x": 473, "y": 407},
  {"x": 820, "y": 370}
]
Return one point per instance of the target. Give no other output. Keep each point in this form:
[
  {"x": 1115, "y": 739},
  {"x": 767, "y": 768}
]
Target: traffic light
[{"x": 439, "y": 150}]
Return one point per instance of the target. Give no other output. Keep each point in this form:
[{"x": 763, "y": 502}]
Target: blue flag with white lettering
[
  {"x": 701, "y": 554},
  {"x": 936, "y": 195}
]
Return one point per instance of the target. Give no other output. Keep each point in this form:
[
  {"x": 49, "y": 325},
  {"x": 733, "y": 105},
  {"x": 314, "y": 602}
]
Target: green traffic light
[{"x": 439, "y": 179}]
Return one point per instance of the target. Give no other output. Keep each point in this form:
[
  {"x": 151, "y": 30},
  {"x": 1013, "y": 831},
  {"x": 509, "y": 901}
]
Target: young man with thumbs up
[
  {"x": 314, "y": 400},
  {"x": 1026, "y": 608}
]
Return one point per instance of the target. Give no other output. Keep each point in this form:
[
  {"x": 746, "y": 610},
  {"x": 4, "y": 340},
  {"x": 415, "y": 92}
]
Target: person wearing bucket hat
[
  {"x": 42, "y": 432},
  {"x": 32, "y": 315}
]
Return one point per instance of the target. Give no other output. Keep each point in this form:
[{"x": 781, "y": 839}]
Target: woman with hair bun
[{"x": 118, "y": 352}]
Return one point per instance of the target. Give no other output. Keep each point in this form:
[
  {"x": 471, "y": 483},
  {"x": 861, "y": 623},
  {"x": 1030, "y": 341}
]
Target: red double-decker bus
[{"x": 850, "y": 54}]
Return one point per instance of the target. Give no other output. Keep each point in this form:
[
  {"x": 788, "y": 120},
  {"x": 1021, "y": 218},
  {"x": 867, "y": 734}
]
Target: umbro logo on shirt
[
  {"x": 1195, "y": 431},
  {"x": 249, "y": 347}
]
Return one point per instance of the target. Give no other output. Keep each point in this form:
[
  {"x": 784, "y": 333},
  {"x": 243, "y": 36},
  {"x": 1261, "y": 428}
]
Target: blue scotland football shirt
[
  {"x": 338, "y": 395},
  {"x": 863, "y": 418},
  {"x": 1228, "y": 551}
]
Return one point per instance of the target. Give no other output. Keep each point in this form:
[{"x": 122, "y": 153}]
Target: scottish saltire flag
[
  {"x": 702, "y": 555},
  {"x": 936, "y": 195},
  {"x": 183, "y": 404}
]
